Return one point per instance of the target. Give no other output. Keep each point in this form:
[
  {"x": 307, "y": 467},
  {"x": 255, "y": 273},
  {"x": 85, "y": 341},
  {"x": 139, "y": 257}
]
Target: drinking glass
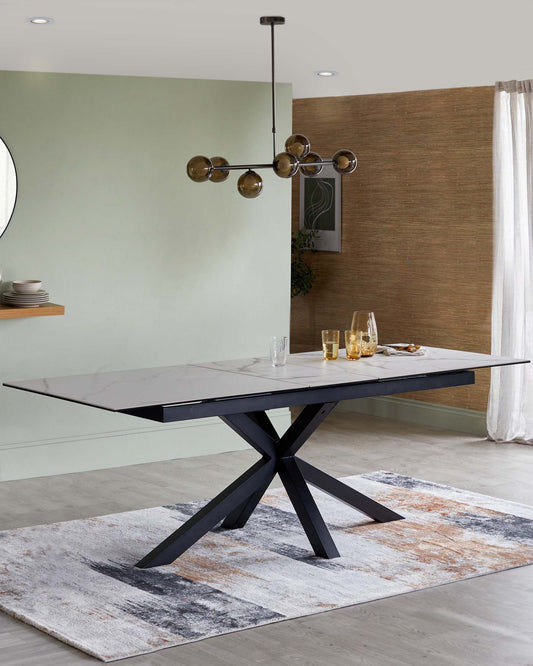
[
  {"x": 353, "y": 341},
  {"x": 330, "y": 344},
  {"x": 278, "y": 350},
  {"x": 366, "y": 323}
]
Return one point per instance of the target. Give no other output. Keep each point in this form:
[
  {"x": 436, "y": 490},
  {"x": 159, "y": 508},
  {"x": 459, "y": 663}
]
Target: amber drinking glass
[
  {"x": 330, "y": 344},
  {"x": 353, "y": 341},
  {"x": 366, "y": 323}
]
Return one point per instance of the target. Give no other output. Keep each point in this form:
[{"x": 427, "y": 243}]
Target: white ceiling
[{"x": 376, "y": 46}]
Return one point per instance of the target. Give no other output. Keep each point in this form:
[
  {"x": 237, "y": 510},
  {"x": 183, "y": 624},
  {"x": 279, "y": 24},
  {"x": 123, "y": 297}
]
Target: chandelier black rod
[
  {"x": 273, "y": 92},
  {"x": 230, "y": 167}
]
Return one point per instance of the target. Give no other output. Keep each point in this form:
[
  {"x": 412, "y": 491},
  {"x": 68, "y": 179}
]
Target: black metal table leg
[
  {"x": 332, "y": 486},
  {"x": 252, "y": 431},
  {"x": 226, "y": 502},
  {"x": 303, "y": 427},
  {"x": 257, "y": 429},
  {"x": 239, "y": 517},
  {"x": 306, "y": 509}
]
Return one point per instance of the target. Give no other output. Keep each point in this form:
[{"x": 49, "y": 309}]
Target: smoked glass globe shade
[
  {"x": 344, "y": 161},
  {"x": 217, "y": 175},
  {"x": 286, "y": 165},
  {"x": 311, "y": 170},
  {"x": 199, "y": 168},
  {"x": 250, "y": 185},
  {"x": 298, "y": 145}
]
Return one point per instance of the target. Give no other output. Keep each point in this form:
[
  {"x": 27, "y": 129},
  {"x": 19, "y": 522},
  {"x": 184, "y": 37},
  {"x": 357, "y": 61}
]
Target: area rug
[{"x": 76, "y": 580}]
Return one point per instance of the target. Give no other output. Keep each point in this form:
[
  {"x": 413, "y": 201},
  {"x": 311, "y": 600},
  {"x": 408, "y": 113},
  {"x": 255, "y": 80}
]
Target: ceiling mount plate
[{"x": 272, "y": 20}]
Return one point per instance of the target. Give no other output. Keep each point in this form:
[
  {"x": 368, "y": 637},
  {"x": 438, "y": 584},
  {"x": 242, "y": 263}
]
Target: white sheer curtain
[{"x": 510, "y": 410}]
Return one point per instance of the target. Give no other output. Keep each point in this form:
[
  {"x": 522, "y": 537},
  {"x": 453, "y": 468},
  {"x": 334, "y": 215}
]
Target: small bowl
[{"x": 26, "y": 286}]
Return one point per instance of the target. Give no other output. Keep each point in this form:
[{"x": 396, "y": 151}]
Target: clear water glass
[{"x": 278, "y": 350}]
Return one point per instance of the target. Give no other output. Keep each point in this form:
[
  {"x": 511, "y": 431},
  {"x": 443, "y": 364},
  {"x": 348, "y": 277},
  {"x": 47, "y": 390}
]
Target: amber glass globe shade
[
  {"x": 286, "y": 165},
  {"x": 298, "y": 145},
  {"x": 218, "y": 176},
  {"x": 250, "y": 185},
  {"x": 311, "y": 170},
  {"x": 199, "y": 168},
  {"x": 344, "y": 161}
]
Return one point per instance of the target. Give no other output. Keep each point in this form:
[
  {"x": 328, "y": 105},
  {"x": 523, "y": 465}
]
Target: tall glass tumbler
[
  {"x": 278, "y": 350},
  {"x": 366, "y": 323},
  {"x": 353, "y": 340},
  {"x": 330, "y": 344}
]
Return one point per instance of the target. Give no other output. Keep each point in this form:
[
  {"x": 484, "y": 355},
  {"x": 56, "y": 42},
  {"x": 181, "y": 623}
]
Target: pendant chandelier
[{"x": 297, "y": 155}]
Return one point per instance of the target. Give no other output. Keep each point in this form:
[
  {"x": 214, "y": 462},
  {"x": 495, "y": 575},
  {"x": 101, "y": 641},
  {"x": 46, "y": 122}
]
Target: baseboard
[
  {"x": 124, "y": 447},
  {"x": 429, "y": 414}
]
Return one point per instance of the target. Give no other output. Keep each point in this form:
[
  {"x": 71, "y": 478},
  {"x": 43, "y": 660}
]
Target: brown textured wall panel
[{"x": 416, "y": 223}]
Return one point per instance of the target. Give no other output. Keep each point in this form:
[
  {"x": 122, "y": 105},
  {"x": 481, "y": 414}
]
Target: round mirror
[{"x": 8, "y": 186}]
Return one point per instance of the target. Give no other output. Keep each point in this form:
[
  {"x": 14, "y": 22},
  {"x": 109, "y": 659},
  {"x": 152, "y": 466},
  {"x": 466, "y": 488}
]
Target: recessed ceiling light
[
  {"x": 326, "y": 72},
  {"x": 39, "y": 20}
]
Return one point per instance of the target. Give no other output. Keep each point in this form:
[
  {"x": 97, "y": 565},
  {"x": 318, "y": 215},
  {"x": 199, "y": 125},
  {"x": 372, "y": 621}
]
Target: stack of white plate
[{"x": 32, "y": 300}]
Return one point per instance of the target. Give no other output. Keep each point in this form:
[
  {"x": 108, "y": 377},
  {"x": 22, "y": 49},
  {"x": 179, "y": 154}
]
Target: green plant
[{"x": 302, "y": 275}]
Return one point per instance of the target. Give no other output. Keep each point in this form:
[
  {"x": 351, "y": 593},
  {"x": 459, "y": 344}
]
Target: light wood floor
[{"x": 486, "y": 621}]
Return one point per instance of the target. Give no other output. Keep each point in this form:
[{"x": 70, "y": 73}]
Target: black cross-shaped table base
[{"x": 237, "y": 502}]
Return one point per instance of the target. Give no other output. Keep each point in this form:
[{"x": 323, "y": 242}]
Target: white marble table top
[{"x": 180, "y": 384}]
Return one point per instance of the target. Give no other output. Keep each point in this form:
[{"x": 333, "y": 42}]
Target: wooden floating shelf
[{"x": 45, "y": 310}]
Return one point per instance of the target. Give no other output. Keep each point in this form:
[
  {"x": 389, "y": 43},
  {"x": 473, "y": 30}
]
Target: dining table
[{"x": 241, "y": 392}]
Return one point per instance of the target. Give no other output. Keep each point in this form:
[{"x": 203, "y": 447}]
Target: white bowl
[{"x": 26, "y": 286}]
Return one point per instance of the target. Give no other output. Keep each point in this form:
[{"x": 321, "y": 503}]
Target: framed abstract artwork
[{"x": 320, "y": 208}]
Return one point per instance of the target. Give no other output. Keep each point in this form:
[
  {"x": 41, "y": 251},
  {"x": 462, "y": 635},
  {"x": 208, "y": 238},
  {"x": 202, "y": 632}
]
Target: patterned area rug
[{"x": 76, "y": 581}]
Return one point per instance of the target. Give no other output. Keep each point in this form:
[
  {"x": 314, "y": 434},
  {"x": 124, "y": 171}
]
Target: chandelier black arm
[
  {"x": 243, "y": 167},
  {"x": 231, "y": 167}
]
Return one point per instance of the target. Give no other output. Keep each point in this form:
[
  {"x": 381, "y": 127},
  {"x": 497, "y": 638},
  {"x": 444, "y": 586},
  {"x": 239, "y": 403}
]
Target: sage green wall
[{"x": 153, "y": 268}]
